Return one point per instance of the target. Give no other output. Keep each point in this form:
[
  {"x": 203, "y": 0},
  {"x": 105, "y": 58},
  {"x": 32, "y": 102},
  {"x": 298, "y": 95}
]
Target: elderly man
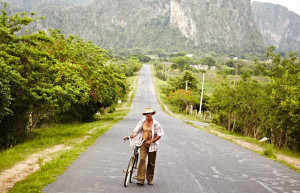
[{"x": 149, "y": 130}]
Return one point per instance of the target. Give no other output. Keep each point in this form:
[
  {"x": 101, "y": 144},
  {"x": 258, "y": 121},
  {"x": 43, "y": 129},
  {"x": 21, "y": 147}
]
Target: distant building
[
  {"x": 189, "y": 55},
  {"x": 213, "y": 68},
  {"x": 235, "y": 58},
  {"x": 200, "y": 67},
  {"x": 205, "y": 67}
]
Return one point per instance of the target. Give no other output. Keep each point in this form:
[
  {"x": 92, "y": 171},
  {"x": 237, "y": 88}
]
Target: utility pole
[
  {"x": 200, "y": 109},
  {"x": 165, "y": 73},
  {"x": 236, "y": 70},
  {"x": 186, "y": 84}
]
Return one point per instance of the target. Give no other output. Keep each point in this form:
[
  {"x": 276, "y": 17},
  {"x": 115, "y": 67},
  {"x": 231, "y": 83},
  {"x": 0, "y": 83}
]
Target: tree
[
  {"x": 177, "y": 83},
  {"x": 50, "y": 78},
  {"x": 183, "y": 98},
  {"x": 209, "y": 61},
  {"x": 270, "y": 109},
  {"x": 182, "y": 62}
]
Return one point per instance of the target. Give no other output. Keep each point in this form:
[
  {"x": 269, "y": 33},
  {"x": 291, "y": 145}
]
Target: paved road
[{"x": 188, "y": 160}]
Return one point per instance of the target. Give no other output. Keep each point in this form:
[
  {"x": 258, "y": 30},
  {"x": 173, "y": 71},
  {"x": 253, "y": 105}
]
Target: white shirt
[{"x": 156, "y": 131}]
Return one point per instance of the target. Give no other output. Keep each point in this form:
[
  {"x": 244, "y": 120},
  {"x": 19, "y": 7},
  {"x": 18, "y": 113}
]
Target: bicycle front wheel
[
  {"x": 132, "y": 173},
  {"x": 128, "y": 171}
]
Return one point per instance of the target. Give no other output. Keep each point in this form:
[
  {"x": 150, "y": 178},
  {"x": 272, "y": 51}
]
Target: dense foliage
[
  {"x": 46, "y": 77},
  {"x": 264, "y": 109},
  {"x": 184, "y": 98},
  {"x": 183, "y": 91}
]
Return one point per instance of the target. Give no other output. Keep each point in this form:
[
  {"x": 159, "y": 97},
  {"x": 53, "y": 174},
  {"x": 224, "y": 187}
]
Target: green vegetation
[
  {"x": 255, "y": 99},
  {"x": 213, "y": 82},
  {"x": 270, "y": 109},
  {"x": 70, "y": 135},
  {"x": 49, "y": 78},
  {"x": 269, "y": 152}
]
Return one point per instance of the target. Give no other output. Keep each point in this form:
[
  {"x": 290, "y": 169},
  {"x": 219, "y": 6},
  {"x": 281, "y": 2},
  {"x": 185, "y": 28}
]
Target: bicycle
[{"x": 132, "y": 165}]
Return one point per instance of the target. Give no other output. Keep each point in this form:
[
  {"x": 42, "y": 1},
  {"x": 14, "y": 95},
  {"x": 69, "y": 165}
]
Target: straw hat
[{"x": 148, "y": 110}]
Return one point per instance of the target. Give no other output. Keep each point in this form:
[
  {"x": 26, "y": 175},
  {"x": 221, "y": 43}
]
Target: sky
[{"x": 292, "y": 5}]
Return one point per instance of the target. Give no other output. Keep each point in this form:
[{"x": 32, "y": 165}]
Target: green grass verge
[
  {"x": 62, "y": 134},
  {"x": 127, "y": 100},
  {"x": 133, "y": 82}
]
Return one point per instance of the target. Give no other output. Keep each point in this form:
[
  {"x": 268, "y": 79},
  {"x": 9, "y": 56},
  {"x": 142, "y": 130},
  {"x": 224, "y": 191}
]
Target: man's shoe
[
  {"x": 141, "y": 183},
  {"x": 150, "y": 182}
]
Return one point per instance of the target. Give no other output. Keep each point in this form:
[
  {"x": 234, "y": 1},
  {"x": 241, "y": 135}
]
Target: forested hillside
[{"x": 220, "y": 26}]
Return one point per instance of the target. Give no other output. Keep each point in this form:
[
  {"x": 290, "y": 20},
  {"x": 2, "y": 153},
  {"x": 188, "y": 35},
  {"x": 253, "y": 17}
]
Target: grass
[
  {"x": 132, "y": 81},
  {"x": 43, "y": 138},
  {"x": 58, "y": 134},
  {"x": 212, "y": 78},
  {"x": 269, "y": 152},
  {"x": 67, "y": 134}
]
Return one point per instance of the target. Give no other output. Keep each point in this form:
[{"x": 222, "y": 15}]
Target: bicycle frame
[{"x": 132, "y": 162}]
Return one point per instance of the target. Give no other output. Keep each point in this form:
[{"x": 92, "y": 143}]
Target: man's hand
[
  {"x": 148, "y": 142},
  {"x": 126, "y": 138}
]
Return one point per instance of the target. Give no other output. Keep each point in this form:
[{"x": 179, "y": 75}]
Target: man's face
[{"x": 149, "y": 115}]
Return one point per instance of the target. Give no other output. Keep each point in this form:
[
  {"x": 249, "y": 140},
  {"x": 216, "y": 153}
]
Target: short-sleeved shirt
[{"x": 156, "y": 131}]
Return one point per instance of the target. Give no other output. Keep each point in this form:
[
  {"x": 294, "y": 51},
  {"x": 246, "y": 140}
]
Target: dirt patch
[
  {"x": 166, "y": 108},
  {"x": 24, "y": 168},
  {"x": 293, "y": 161},
  {"x": 83, "y": 139},
  {"x": 248, "y": 145},
  {"x": 220, "y": 134},
  {"x": 90, "y": 132},
  {"x": 240, "y": 142}
]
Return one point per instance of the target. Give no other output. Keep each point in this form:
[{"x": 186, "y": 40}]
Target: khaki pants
[{"x": 144, "y": 151}]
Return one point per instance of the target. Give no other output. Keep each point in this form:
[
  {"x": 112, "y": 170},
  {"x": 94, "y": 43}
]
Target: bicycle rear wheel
[{"x": 129, "y": 171}]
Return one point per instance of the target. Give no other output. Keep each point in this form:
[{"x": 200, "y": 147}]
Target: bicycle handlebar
[{"x": 139, "y": 145}]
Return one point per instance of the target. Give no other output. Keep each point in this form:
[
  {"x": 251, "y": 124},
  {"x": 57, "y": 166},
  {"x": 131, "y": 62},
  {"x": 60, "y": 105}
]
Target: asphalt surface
[{"x": 188, "y": 159}]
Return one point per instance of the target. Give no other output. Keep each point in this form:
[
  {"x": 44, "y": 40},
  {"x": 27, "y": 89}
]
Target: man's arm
[
  {"x": 136, "y": 130},
  {"x": 131, "y": 136},
  {"x": 153, "y": 140}
]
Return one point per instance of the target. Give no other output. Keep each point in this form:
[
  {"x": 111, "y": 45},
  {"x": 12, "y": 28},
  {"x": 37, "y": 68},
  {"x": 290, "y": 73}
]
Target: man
[{"x": 151, "y": 131}]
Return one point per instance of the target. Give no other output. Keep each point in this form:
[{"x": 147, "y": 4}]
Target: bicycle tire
[
  {"x": 128, "y": 171},
  {"x": 133, "y": 168}
]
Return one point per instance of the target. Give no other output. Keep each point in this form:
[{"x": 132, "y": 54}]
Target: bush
[{"x": 269, "y": 152}]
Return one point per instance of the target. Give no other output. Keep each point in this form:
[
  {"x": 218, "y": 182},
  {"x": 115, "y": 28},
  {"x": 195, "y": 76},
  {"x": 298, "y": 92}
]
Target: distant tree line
[
  {"x": 47, "y": 77},
  {"x": 269, "y": 109}
]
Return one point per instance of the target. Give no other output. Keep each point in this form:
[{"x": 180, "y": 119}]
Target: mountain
[
  {"x": 278, "y": 26},
  {"x": 208, "y": 25}
]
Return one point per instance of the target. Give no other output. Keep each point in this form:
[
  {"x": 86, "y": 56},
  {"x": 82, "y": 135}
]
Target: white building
[
  {"x": 213, "y": 68},
  {"x": 200, "y": 67}
]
